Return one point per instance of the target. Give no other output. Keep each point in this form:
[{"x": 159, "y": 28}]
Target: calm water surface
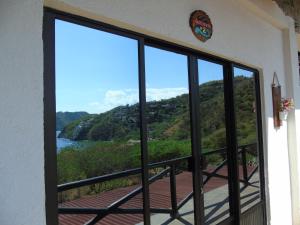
[{"x": 63, "y": 142}]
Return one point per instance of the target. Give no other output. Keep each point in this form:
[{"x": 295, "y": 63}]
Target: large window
[{"x": 146, "y": 132}]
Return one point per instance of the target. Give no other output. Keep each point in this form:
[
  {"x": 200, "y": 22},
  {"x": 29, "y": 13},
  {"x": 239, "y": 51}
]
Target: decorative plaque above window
[{"x": 201, "y": 25}]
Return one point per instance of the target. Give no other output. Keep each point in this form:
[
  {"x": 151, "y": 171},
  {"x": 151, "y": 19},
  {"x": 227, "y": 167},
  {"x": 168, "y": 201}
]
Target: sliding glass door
[{"x": 147, "y": 132}]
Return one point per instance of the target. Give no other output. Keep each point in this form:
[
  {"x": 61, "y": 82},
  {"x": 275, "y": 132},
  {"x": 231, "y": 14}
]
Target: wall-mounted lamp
[{"x": 276, "y": 97}]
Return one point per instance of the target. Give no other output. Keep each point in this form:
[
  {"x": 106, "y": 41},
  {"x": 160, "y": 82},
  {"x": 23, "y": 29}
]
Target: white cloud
[
  {"x": 114, "y": 98},
  {"x": 156, "y": 94},
  {"x": 121, "y": 97}
]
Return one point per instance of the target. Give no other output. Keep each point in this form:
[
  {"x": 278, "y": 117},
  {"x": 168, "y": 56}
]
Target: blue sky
[
  {"x": 97, "y": 71},
  {"x": 209, "y": 71}
]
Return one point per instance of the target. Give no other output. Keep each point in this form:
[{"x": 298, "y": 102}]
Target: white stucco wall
[
  {"x": 243, "y": 32},
  {"x": 292, "y": 89},
  {"x": 22, "y": 200}
]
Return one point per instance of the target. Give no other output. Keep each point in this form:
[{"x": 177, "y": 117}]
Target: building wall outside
[
  {"x": 243, "y": 32},
  {"x": 292, "y": 82},
  {"x": 22, "y": 189}
]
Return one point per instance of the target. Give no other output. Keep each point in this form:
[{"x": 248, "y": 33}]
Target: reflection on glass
[
  {"x": 97, "y": 118},
  {"x": 213, "y": 142},
  {"x": 245, "y": 112},
  {"x": 169, "y": 138}
]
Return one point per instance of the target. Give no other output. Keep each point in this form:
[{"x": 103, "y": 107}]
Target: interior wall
[{"x": 22, "y": 198}]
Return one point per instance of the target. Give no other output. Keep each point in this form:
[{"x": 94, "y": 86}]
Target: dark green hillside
[
  {"x": 165, "y": 117},
  {"x": 117, "y": 124},
  {"x": 212, "y": 114},
  {"x": 64, "y": 118},
  {"x": 245, "y": 110},
  {"x": 169, "y": 119}
]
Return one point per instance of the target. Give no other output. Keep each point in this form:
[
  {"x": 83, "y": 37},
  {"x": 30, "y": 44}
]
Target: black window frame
[{"x": 50, "y": 15}]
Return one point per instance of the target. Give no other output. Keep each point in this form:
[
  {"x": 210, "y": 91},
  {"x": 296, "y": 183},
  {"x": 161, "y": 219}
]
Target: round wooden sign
[{"x": 201, "y": 25}]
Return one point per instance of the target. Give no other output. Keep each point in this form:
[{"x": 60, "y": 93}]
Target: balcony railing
[{"x": 170, "y": 169}]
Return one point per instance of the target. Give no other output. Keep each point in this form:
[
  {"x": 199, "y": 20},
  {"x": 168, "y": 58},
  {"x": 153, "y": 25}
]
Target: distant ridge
[
  {"x": 169, "y": 118},
  {"x": 64, "y": 118}
]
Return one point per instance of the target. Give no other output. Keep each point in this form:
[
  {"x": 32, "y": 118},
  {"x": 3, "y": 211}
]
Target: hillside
[
  {"x": 64, "y": 118},
  {"x": 169, "y": 119}
]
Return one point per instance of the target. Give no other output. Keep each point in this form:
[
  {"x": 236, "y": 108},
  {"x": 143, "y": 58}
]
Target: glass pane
[
  {"x": 245, "y": 111},
  {"x": 97, "y": 119},
  {"x": 214, "y": 146},
  {"x": 169, "y": 137}
]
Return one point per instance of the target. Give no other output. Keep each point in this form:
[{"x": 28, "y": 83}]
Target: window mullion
[
  {"x": 143, "y": 132},
  {"x": 232, "y": 153},
  {"x": 196, "y": 144}
]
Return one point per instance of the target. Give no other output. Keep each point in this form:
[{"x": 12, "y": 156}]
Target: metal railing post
[
  {"x": 174, "y": 213},
  {"x": 244, "y": 163}
]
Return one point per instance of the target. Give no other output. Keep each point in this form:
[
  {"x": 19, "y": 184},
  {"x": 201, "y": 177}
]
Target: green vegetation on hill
[
  {"x": 169, "y": 119},
  {"x": 65, "y": 118},
  {"x": 164, "y": 118},
  {"x": 245, "y": 110},
  {"x": 212, "y": 114},
  {"x": 102, "y": 158}
]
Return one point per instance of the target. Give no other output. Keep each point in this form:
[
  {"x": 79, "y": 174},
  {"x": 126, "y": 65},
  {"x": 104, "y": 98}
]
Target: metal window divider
[{"x": 143, "y": 132}]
